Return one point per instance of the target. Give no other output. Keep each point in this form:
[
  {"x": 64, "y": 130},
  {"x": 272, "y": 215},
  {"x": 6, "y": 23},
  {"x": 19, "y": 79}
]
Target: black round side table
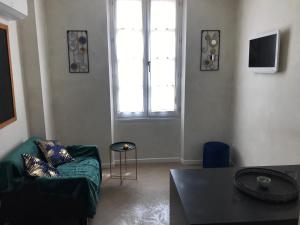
[{"x": 123, "y": 147}]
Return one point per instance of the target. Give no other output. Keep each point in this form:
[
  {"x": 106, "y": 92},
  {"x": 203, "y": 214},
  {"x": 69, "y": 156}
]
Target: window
[{"x": 145, "y": 57}]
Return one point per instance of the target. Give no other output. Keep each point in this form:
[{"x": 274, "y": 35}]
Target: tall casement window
[{"x": 145, "y": 40}]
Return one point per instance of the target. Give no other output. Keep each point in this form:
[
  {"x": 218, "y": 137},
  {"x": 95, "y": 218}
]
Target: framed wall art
[
  {"x": 7, "y": 98},
  {"x": 210, "y": 50},
  {"x": 78, "y": 51}
]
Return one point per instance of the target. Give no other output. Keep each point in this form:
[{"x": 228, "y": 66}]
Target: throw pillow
[
  {"x": 38, "y": 168},
  {"x": 54, "y": 152}
]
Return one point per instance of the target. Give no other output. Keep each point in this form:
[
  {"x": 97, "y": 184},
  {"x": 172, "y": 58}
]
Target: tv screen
[{"x": 263, "y": 52}]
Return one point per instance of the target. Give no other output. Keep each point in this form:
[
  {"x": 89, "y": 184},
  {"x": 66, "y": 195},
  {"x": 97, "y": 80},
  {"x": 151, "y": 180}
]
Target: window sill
[{"x": 145, "y": 119}]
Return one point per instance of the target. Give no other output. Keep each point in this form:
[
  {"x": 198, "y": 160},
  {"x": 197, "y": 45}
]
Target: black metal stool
[{"x": 123, "y": 147}]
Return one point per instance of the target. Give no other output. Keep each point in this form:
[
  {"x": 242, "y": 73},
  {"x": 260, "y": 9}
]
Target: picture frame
[
  {"x": 210, "y": 50},
  {"x": 78, "y": 51}
]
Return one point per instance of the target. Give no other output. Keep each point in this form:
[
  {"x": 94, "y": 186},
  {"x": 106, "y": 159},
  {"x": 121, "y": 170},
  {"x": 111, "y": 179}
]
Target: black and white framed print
[
  {"x": 210, "y": 50},
  {"x": 78, "y": 51}
]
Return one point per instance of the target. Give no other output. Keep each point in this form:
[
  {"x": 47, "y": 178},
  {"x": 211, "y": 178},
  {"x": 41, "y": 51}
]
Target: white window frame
[{"x": 113, "y": 63}]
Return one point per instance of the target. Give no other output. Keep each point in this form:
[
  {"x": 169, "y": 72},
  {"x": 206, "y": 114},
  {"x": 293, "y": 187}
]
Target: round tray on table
[
  {"x": 119, "y": 146},
  {"x": 282, "y": 188}
]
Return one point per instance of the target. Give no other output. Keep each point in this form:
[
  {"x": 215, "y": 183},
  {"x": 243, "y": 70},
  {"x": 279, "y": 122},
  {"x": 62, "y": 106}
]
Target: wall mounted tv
[{"x": 264, "y": 52}]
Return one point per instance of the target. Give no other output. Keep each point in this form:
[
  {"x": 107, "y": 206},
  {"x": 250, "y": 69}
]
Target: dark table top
[
  {"x": 208, "y": 196},
  {"x": 119, "y": 146}
]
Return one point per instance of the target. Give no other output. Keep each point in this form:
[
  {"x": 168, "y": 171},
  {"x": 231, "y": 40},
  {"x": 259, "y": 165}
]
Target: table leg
[
  {"x": 125, "y": 162},
  {"x": 136, "y": 163},
  {"x": 121, "y": 177},
  {"x": 110, "y": 152}
]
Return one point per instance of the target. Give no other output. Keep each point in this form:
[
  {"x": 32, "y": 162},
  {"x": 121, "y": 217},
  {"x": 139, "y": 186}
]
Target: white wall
[
  {"x": 81, "y": 101},
  {"x": 17, "y": 132},
  {"x": 266, "y": 106},
  {"x": 154, "y": 138},
  {"x": 208, "y": 94},
  {"x": 37, "y": 72},
  {"x": 32, "y": 75},
  {"x": 42, "y": 44},
  {"x": 183, "y": 77}
]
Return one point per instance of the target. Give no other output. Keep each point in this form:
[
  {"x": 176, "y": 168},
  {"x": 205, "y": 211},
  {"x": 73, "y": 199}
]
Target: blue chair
[{"x": 216, "y": 154}]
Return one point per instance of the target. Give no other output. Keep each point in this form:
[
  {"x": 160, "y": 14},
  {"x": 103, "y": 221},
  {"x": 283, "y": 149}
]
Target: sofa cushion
[
  {"x": 54, "y": 152},
  {"x": 38, "y": 168}
]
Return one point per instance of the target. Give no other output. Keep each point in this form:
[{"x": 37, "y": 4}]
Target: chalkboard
[{"x": 7, "y": 101}]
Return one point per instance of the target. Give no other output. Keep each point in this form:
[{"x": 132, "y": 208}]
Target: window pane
[
  {"x": 163, "y": 14},
  {"x": 162, "y": 44},
  {"x": 131, "y": 99},
  {"x": 130, "y": 55},
  {"x": 129, "y": 44},
  {"x": 130, "y": 73},
  {"x": 162, "y": 72},
  {"x": 129, "y": 67},
  {"x": 162, "y": 55},
  {"x": 162, "y": 99},
  {"x": 129, "y": 14}
]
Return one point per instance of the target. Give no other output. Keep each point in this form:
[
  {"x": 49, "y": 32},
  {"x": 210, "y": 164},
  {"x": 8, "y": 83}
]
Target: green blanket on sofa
[{"x": 79, "y": 178}]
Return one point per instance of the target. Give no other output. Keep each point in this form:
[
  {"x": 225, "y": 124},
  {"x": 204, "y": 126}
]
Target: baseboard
[
  {"x": 190, "y": 162},
  {"x": 163, "y": 160},
  {"x": 152, "y": 160},
  {"x": 157, "y": 160},
  {"x": 145, "y": 160}
]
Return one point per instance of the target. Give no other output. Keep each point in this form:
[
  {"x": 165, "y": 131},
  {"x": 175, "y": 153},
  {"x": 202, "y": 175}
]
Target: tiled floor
[{"x": 141, "y": 202}]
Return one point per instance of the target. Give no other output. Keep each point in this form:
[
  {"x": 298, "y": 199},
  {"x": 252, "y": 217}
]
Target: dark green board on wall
[{"x": 7, "y": 105}]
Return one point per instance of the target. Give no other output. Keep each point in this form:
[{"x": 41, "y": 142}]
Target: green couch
[{"x": 72, "y": 195}]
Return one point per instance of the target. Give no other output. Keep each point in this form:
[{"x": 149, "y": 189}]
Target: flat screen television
[{"x": 264, "y": 52}]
